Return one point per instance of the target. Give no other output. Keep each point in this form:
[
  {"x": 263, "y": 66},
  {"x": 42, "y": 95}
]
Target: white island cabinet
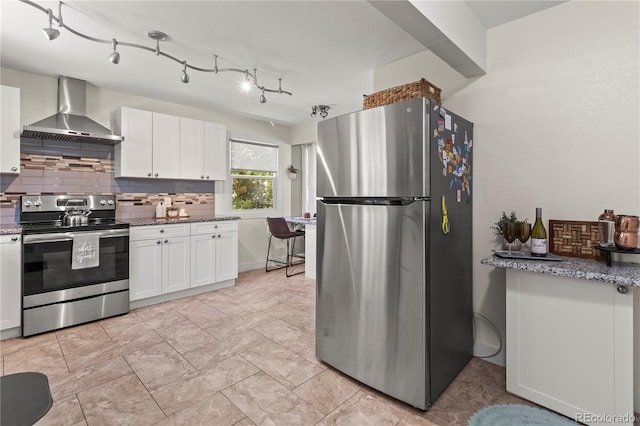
[
  {"x": 159, "y": 260},
  {"x": 10, "y": 285},
  {"x": 569, "y": 345}
]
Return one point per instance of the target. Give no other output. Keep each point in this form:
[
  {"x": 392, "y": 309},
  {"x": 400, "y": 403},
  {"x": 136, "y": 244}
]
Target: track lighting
[
  {"x": 184, "y": 77},
  {"x": 158, "y": 36},
  {"x": 50, "y": 33},
  {"x": 323, "y": 110},
  {"x": 114, "y": 58}
]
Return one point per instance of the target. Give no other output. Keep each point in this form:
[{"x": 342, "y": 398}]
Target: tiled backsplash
[{"x": 74, "y": 168}]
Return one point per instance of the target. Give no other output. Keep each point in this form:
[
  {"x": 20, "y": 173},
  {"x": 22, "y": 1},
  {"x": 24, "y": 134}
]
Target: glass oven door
[{"x": 47, "y": 261}]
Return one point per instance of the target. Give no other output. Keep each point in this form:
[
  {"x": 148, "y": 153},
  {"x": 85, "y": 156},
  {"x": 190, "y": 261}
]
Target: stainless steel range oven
[{"x": 75, "y": 261}]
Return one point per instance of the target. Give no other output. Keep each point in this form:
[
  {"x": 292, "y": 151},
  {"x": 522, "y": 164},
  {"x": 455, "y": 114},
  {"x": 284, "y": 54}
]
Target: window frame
[{"x": 224, "y": 192}]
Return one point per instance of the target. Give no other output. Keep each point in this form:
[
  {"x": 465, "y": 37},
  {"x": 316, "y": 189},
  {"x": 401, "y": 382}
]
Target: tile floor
[{"x": 242, "y": 355}]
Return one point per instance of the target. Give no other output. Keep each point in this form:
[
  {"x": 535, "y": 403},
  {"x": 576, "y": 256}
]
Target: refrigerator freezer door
[
  {"x": 379, "y": 152},
  {"x": 370, "y": 319}
]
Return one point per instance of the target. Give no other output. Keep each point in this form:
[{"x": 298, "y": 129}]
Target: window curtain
[{"x": 309, "y": 173}]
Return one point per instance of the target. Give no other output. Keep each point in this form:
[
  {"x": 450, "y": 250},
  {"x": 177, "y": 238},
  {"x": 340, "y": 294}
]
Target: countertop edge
[
  {"x": 591, "y": 270},
  {"x": 178, "y": 220}
]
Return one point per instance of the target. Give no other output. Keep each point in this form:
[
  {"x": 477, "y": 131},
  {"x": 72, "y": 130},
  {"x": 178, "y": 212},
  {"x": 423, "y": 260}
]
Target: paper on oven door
[{"x": 85, "y": 251}]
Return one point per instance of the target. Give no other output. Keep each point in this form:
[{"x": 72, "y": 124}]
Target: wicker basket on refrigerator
[{"x": 417, "y": 89}]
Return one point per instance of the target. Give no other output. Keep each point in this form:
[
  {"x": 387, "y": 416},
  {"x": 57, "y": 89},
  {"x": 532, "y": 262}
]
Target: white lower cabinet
[
  {"x": 159, "y": 259},
  {"x": 172, "y": 258},
  {"x": 570, "y": 346},
  {"x": 214, "y": 252},
  {"x": 10, "y": 281}
]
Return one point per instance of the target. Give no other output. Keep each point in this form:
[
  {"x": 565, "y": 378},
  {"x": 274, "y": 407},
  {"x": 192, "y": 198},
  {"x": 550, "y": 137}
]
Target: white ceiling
[{"x": 324, "y": 51}]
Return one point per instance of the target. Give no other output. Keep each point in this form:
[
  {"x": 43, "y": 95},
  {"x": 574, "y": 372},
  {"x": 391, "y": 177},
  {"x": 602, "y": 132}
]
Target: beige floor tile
[
  {"x": 364, "y": 409},
  {"x": 99, "y": 373},
  {"x": 215, "y": 409},
  {"x": 46, "y": 359},
  {"x": 158, "y": 365},
  {"x": 19, "y": 344},
  {"x": 193, "y": 388},
  {"x": 129, "y": 320},
  {"x": 287, "y": 335},
  {"x": 265, "y": 401},
  {"x": 309, "y": 354},
  {"x": 186, "y": 336},
  {"x": 201, "y": 314},
  {"x": 65, "y": 411},
  {"x": 222, "y": 303},
  {"x": 238, "y": 323},
  {"x": 281, "y": 364},
  {"x": 327, "y": 390},
  {"x": 245, "y": 422},
  {"x": 484, "y": 373},
  {"x": 134, "y": 339},
  {"x": 156, "y": 319},
  {"x": 83, "y": 339},
  {"x": 216, "y": 352},
  {"x": 123, "y": 401},
  {"x": 298, "y": 317}
]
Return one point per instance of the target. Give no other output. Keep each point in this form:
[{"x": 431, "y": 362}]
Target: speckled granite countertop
[
  {"x": 10, "y": 228},
  {"x": 154, "y": 221},
  {"x": 621, "y": 273}
]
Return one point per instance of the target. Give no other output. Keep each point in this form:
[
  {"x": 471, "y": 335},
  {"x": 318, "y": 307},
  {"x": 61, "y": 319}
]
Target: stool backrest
[{"x": 279, "y": 228}]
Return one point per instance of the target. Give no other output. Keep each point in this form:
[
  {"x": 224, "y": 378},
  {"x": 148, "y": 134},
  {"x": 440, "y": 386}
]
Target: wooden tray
[{"x": 575, "y": 238}]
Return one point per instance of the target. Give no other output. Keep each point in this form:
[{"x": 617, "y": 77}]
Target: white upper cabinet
[
  {"x": 10, "y": 130},
  {"x": 134, "y": 155},
  {"x": 215, "y": 151},
  {"x": 168, "y": 147},
  {"x": 191, "y": 149}
]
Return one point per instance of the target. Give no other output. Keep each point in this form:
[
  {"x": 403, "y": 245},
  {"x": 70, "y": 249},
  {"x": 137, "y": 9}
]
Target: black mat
[{"x": 24, "y": 398}]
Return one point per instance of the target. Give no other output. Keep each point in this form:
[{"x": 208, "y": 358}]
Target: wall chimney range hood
[{"x": 71, "y": 124}]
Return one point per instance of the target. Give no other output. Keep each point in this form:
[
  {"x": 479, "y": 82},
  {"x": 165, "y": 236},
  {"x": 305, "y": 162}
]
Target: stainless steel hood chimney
[{"x": 71, "y": 123}]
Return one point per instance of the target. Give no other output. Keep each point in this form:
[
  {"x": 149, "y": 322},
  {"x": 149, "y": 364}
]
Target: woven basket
[{"x": 405, "y": 92}]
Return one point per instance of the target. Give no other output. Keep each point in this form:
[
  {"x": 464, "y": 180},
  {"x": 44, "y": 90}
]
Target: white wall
[
  {"x": 38, "y": 95},
  {"x": 556, "y": 126}
]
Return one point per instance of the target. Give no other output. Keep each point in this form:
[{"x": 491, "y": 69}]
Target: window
[{"x": 253, "y": 174}]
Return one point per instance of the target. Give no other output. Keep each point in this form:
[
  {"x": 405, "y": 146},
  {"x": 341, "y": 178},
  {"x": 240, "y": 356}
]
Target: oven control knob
[
  {"x": 103, "y": 202},
  {"x": 27, "y": 203},
  {"x": 37, "y": 203},
  {"x": 110, "y": 202}
]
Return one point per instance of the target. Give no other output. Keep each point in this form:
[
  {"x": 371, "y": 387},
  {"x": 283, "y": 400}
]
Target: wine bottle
[{"x": 538, "y": 236}]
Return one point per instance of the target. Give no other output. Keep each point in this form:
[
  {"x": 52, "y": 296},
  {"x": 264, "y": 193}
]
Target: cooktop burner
[{"x": 46, "y": 213}]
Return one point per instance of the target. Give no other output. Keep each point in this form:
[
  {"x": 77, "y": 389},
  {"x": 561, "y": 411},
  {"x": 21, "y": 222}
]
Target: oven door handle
[{"x": 68, "y": 236}]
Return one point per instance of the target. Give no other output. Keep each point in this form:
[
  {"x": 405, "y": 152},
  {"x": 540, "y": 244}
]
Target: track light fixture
[
  {"x": 184, "y": 77},
  {"x": 250, "y": 78},
  {"x": 323, "y": 110},
  {"x": 114, "y": 58},
  {"x": 50, "y": 33}
]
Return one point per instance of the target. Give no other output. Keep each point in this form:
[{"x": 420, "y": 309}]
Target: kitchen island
[{"x": 569, "y": 338}]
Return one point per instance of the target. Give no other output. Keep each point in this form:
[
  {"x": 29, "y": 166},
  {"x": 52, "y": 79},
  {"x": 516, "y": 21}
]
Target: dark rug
[{"x": 24, "y": 398}]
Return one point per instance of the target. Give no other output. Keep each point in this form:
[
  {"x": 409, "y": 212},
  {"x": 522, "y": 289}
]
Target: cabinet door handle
[
  {"x": 149, "y": 174},
  {"x": 215, "y": 226},
  {"x": 156, "y": 175},
  {"x": 158, "y": 242},
  {"x": 14, "y": 169},
  {"x": 201, "y": 176},
  {"x": 213, "y": 236},
  {"x": 622, "y": 289},
  {"x": 219, "y": 236},
  {"x": 166, "y": 241},
  {"x": 162, "y": 231},
  {"x": 207, "y": 177},
  {"x": 14, "y": 238}
]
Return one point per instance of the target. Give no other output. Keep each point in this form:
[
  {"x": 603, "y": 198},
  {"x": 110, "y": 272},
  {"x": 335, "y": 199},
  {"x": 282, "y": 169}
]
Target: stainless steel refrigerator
[{"x": 394, "y": 269}]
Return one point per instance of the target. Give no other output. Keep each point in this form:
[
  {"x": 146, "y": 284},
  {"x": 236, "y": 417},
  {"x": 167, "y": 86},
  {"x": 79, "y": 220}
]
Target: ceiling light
[
  {"x": 50, "y": 33},
  {"x": 158, "y": 36},
  {"x": 114, "y": 58},
  {"x": 184, "y": 77},
  {"x": 323, "y": 110}
]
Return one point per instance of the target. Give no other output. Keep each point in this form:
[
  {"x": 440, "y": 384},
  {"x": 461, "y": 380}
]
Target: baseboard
[
  {"x": 636, "y": 400},
  {"x": 481, "y": 349},
  {"x": 244, "y": 267}
]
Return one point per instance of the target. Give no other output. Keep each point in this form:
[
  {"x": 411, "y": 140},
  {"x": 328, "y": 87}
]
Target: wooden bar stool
[{"x": 279, "y": 228}]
